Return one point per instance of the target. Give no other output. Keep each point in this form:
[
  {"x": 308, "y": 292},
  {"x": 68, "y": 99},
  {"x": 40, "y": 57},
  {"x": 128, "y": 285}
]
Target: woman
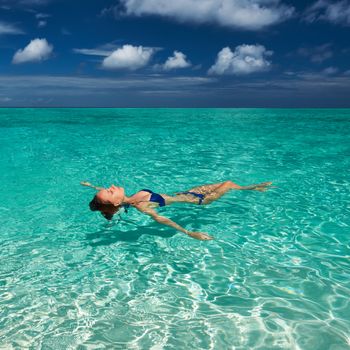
[{"x": 109, "y": 200}]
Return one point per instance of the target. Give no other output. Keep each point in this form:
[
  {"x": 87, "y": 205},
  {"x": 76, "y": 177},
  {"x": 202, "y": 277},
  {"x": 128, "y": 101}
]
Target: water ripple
[{"x": 275, "y": 277}]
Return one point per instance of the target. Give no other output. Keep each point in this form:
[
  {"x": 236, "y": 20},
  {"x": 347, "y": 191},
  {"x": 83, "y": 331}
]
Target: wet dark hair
[
  {"x": 107, "y": 216},
  {"x": 95, "y": 205}
]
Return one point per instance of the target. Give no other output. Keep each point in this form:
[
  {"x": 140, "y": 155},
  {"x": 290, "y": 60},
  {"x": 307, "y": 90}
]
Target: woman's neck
[{"x": 126, "y": 200}]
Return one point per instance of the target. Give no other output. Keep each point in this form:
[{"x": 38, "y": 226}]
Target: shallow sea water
[{"x": 277, "y": 275}]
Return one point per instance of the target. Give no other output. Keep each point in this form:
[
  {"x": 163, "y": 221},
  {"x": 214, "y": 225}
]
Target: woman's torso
[{"x": 149, "y": 198}]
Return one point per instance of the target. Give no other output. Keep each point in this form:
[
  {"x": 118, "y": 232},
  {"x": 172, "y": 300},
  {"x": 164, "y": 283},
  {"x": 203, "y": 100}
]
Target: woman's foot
[
  {"x": 264, "y": 186},
  {"x": 200, "y": 236}
]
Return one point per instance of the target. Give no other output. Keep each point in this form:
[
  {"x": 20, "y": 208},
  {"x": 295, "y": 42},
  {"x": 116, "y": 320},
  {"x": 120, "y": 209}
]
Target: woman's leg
[
  {"x": 206, "y": 189},
  {"x": 213, "y": 192},
  {"x": 228, "y": 186},
  {"x": 219, "y": 191}
]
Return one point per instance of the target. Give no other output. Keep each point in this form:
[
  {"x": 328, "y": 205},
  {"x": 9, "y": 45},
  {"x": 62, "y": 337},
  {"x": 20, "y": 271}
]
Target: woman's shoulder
[{"x": 140, "y": 196}]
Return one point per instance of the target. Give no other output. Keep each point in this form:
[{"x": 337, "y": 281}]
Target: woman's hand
[
  {"x": 200, "y": 235},
  {"x": 88, "y": 184}
]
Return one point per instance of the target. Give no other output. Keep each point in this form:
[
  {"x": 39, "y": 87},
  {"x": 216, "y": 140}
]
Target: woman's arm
[
  {"x": 165, "y": 221},
  {"x": 88, "y": 184}
]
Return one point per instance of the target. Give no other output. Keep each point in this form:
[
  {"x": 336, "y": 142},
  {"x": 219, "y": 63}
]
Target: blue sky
[{"x": 180, "y": 53}]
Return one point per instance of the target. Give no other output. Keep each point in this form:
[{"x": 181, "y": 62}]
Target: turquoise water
[{"x": 275, "y": 277}]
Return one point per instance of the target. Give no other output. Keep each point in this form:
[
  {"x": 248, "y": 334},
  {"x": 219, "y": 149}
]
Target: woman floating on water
[{"x": 109, "y": 200}]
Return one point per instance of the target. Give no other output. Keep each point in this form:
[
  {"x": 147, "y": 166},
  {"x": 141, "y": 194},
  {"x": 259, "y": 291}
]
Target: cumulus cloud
[
  {"x": 6, "y": 28},
  {"x": 178, "y": 60},
  {"x": 245, "y": 59},
  {"x": 245, "y": 14},
  {"x": 325, "y": 10},
  {"x": 128, "y": 57},
  {"x": 37, "y": 50}
]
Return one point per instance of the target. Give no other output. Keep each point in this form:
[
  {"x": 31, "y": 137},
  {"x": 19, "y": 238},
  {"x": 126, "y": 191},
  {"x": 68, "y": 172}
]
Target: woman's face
[{"x": 113, "y": 195}]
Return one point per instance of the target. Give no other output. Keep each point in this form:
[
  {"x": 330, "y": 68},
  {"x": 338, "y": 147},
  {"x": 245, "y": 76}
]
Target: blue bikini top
[{"x": 155, "y": 197}]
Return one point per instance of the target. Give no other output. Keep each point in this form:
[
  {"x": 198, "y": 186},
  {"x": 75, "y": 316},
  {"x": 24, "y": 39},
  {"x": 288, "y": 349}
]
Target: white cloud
[
  {"x": 93, "y": 52},
  {"x": 325, "y": 10},
  {"x": 246, "y": 14},
  {"x": 6, "y": 28},
  {"x": 37, "y": 50},
  {"x": 128, "y": 57},
  {"x": 42, "y": 24},
  {"x": 42, "y": 15},
  {"x": 244, "y": 60},
  {"x": 178, "y": 60}
]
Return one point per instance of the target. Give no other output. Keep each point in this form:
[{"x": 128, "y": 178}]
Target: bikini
[
  {"x": 157, "y": 198},
  {"x": 198, "y": 195}
]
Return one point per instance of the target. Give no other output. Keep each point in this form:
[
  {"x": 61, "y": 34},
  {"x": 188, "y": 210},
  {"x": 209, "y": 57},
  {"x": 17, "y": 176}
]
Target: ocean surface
[{"x": 277, "y": 275}]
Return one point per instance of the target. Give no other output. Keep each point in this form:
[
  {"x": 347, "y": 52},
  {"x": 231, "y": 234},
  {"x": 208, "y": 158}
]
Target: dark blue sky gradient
[{"x": 299, "y": 76}]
